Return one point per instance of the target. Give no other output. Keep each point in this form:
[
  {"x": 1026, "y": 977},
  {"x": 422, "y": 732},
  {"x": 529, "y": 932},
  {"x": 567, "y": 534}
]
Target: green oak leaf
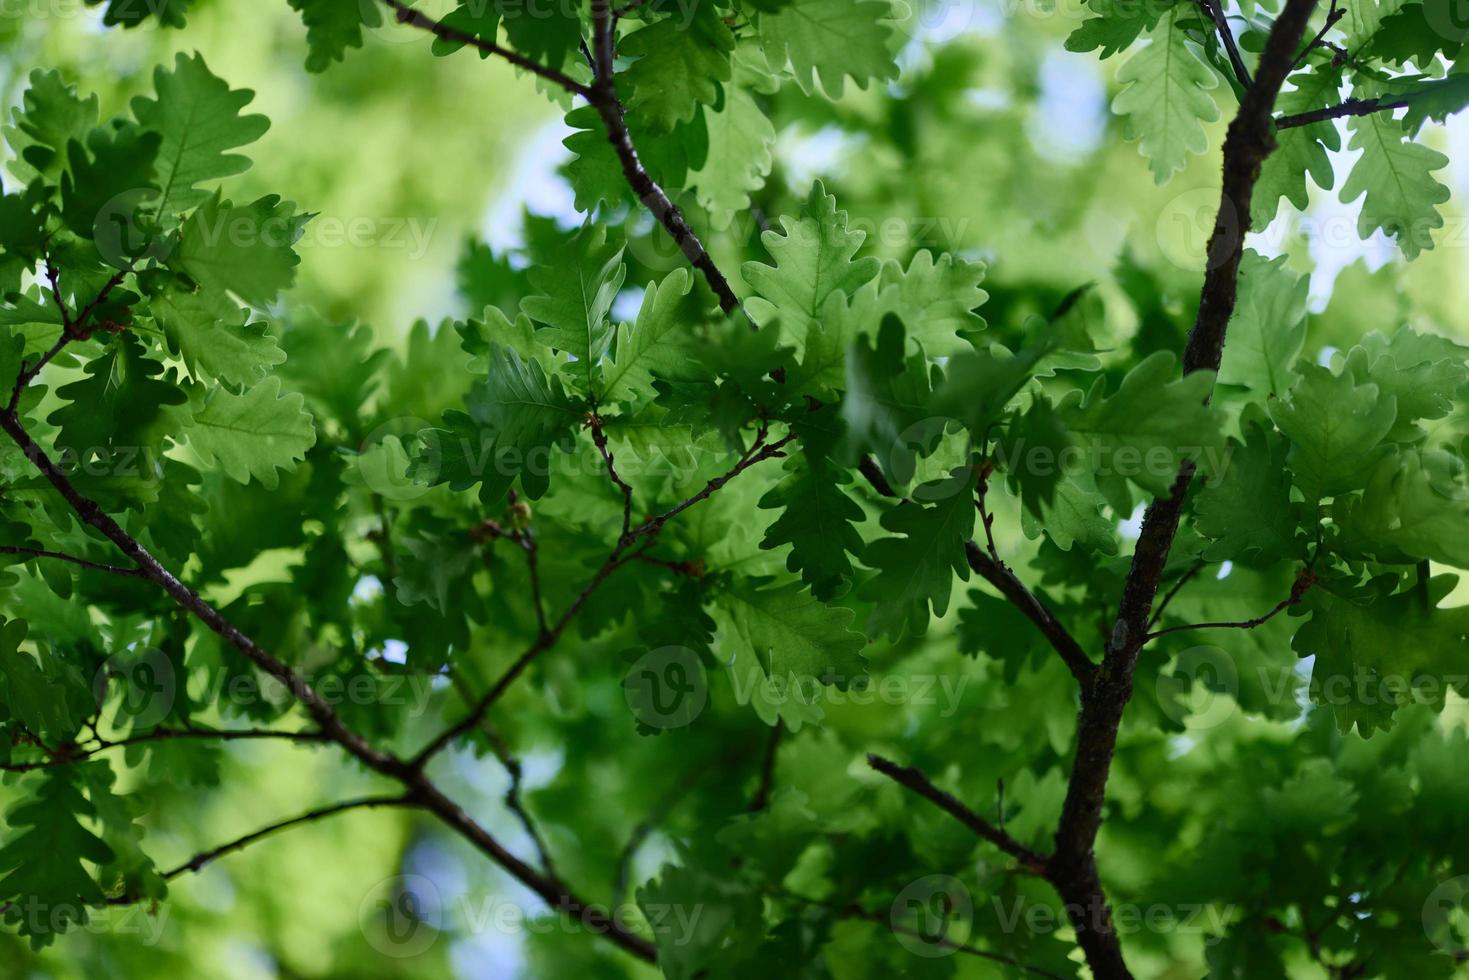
[
  {"x": 198, "y": 117},
  {"x": 1248, "y": 512},
  {"x": 830, "y": 41},
  {"x": 515, "y": 416},
  {"x": 333, "y": 26},
  {"x": 681, "y": 65},
  {"x": 209, "y": 331},
  {"x": 1268, "y": 328},
  {"x": 252, "y": 435},
  {"x": 1336, "y": 428},
  {"x": 573, "y": 300},
  {"x": 791, "y": 633},
  {"x": 917, "y": 569},
  {"x": 814, "y": 258},
  {"x": 42, "y": 862},
  {"x": 247, "y": 250},
  {"x": 1394, "y": 178},
  {"x": 1165, "y": 99}
]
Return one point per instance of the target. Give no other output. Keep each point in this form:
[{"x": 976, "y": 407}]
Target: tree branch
[
  {"x": 199, "y": 861},
  {"x": 71, "y": 755},
  {"x": 1215, "y": 10},
  {"x": 1074, "y": 871},
  {"x": 73, "y": 559},
  {"x": 1333, "y": 15},
  {"x": 621, "y": 555},
  {"x": 1298, "y": 590},
  {"x": 914, "y": 779},
  {"x": 1183, "y": 580},
  {"x": 855, "y": 911},
  {"x": 763, "y": 789},
  {"x": 407, "y": 15},
  {"x": 999, "y": 575},
  {"x": 603, "y": 96},
  {"x": 555, "y": 892},
  {"x": 1351, "y": 107},
  {"x": 599, "y": 438}
]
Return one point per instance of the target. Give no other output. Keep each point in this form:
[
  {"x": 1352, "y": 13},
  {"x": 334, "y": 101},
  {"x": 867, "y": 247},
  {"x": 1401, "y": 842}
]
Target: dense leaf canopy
[{"x": 897, "y": 511}]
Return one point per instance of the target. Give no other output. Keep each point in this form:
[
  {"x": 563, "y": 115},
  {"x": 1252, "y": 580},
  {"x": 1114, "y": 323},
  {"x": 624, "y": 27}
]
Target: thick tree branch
[
  {"x": 914, "y": 779},
  {"x": 1074, "y": 871}
]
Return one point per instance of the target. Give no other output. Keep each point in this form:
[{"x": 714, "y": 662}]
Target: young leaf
[
  {"x": 791, "y": 633},
  {"x": 198, "y": 117},
  {"x": 1396, "y": 176},
  {"x": 1268, "y": 328},
  {"x": 574, "y": 298},
  {"x": 1166, "y": 96},
  {"x": 333, "y": 26},
  {"x": 832, "y": 39},
  {"x": 681, "y": 63},
  {"x": 208, "y": 330},
  {"x": 813, "y": 260}
]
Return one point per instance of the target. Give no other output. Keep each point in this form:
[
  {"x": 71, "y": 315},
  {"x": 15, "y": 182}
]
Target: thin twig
[
  {"x": 621, "y": 555},
  {"x": 71, "y": 755},
  {"x": 981, "y": 492},
  {"x": 1183, "y": 580},
  {"x": 766, "y": 786},
  {"x": 1215, "y": 10},
  {"x": 914, "y": 779},
  {"x": 1297, "y": 592},
  {"x": 1333, "y": 15},
  {"x": 599, "y": 438},
  {"x": 73, "y": 559},
  {"x": 855, "y": 911},
  {"x": 1351, "y": 107},
  {"x": 414, "y": 18},
  {"x": 199, "y": 861}
]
